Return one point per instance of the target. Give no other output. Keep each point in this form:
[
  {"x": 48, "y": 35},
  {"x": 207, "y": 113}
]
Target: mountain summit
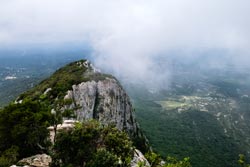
[
  {"x": 66, "y": 105},
  {"x": 78, "y": 91}
]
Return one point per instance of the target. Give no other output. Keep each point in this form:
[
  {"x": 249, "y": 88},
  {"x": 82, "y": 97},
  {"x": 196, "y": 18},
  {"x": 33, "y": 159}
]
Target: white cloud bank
[{"x": 128, "y": 35}]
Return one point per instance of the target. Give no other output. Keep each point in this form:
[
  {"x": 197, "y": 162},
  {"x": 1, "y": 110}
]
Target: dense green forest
[
  {"x": 202, "y": 115},
  {"x": 192, "y": 133}
]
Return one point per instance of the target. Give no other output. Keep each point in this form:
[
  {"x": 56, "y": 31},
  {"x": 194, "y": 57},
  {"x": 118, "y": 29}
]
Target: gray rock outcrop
[
  {"x": 139, "y": 160},
  {"x": 104, "y": 100}
]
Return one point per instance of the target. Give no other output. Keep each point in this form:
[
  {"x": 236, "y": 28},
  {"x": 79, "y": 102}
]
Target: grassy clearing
[{"x": 170, "y": 105}]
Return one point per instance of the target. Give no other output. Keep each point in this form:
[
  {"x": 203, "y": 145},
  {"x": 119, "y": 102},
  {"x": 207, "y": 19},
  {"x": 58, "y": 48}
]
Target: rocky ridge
[{"x": 94, "y": 96}]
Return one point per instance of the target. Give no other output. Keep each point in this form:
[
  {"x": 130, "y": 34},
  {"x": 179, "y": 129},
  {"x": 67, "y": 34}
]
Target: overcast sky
[{"x": 128, "y": 35}]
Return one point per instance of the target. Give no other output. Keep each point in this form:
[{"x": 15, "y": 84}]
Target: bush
[
  {"x": 23, "y": 129},
  {"x": 90, "y": 144},
  {"x": 9, "y": 156},
  {"x": 102, "y": 157}
]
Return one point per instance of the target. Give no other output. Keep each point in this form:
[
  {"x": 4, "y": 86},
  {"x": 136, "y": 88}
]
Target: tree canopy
[
  {"x": 23, "y": 129},
  {"x": 92, "y": 144}
]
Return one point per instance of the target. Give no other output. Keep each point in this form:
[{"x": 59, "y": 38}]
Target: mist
[{"x": 134, "y": 39}]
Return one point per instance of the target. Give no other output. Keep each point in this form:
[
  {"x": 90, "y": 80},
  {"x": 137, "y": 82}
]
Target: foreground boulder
[{"x": 39, "y": 160}]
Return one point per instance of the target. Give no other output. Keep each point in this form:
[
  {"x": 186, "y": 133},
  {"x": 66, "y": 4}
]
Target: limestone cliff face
[{"x": 104, "y": 100}]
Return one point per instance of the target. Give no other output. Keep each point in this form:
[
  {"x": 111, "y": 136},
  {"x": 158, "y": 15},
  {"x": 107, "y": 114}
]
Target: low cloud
[{"x": 129, "y": 38}]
